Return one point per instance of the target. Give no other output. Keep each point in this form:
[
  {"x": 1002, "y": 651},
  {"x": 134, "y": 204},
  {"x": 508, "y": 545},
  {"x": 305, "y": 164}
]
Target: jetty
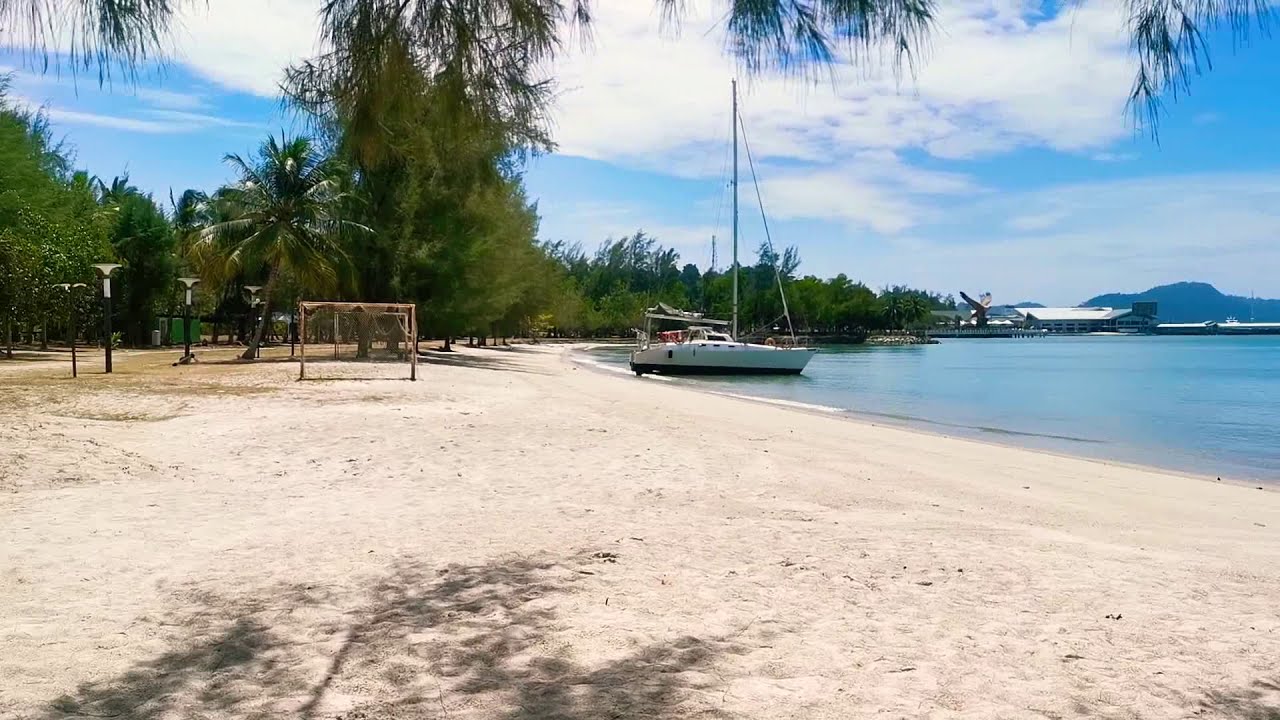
[{"x": 987, "y": 332}]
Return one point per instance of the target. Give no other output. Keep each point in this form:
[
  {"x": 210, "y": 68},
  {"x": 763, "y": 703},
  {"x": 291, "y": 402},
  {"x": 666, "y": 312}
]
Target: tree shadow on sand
[
  {"x": 478, "y": 361},
  {"x": 228, "y": 663},
  {"x": 459, "y": 641},
  {"x": 1258, "y": 701}
]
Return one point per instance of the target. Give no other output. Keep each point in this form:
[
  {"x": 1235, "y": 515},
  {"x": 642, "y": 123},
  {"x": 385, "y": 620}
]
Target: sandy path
[{"x": 516, "y": 537}]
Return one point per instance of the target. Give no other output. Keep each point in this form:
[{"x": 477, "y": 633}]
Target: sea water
[{"x": 1206, "y": 405}]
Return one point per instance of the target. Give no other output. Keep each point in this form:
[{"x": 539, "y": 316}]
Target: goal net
[{"x": 358, "y": 341}]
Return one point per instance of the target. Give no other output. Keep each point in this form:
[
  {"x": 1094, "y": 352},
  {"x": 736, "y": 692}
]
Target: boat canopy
[{"x": 663, "y": 311}]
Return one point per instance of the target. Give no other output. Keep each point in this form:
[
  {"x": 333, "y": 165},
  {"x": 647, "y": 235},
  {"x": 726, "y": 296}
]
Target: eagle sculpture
[{"x": 980, "y": 307}]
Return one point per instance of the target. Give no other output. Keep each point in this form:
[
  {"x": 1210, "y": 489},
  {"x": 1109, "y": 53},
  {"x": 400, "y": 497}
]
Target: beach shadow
[
  {"x": 49, "y": 357},
  {"x": 660, "y": 680},
  {"x": 426, "y": 638},
  {"x": 230, "y": 664},
  {"x": 237, "y": 360},
  {"x": 1258, "y": 701},
  {"x": 475, "y": 360}
]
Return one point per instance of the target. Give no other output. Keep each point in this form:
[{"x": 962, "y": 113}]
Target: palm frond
[
  {"x": 1169, "y": 40},
  {"x": 114, "y": 38}
]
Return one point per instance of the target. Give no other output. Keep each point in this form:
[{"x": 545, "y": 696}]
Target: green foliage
[
  {"x": 51, "y": 230},
  {"x": 620, "y": 280},
  {"x": 625, "y": 276},
  {"x": 144, "y": 243},
  {"x": 284, "y": 217}
]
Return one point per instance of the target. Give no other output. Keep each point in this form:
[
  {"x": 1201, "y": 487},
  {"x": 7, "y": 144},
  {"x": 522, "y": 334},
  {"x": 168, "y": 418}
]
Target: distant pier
[
  {"x": 1216, "y": 328},
  {"x": 987, "y": 332}
]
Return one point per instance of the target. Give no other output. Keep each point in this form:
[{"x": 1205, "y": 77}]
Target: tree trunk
[
  {"x": 252, "y": 350},
  {"x": 44, "y": 332},
  {"x": 8, "y": 336},
  {"x": 364, "y": 335},
  {"x": 448, "y": 343}
]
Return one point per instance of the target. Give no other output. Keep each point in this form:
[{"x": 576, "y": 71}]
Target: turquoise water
[{"x": 1208, "y": 405}]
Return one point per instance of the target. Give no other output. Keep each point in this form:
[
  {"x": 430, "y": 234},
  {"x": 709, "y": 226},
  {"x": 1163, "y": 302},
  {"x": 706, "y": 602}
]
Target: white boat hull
[{"x": 720, "y": 358}]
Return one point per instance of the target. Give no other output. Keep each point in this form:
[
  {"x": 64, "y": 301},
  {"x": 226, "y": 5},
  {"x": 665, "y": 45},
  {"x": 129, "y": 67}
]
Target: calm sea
[{"x": 1208, "y": 405}]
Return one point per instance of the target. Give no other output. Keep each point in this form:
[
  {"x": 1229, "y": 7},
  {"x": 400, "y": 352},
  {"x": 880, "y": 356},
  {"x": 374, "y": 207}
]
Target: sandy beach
[{"x": 515, "y": 536}]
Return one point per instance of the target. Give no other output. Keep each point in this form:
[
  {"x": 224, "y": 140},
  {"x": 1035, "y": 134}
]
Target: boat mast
[{"x": 734, "y": 84}]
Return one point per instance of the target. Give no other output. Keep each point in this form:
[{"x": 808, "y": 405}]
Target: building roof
[
  {"x": 1205, "y": 324},
  {"x": 1072, "y": 313}
]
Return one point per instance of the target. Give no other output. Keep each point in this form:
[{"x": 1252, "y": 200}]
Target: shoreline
[{"x": 920, "y": 426}]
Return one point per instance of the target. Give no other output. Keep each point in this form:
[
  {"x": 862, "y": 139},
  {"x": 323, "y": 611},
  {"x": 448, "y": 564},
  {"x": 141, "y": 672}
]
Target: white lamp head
[
  {"x": 78, "y": 285},
  {"x": 190, "y": 282},
  {"x": 105, "y": 269},
  {"x": 63, "y": 286}
]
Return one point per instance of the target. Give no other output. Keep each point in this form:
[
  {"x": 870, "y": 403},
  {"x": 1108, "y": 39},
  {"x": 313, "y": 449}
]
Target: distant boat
[{"x": 704, "y": 348}]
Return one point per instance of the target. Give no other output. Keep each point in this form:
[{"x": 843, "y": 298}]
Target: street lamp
[
  {"x": 104, "y": 271},
  {"x": 71, "y": 319},
  {"x": 190, "y": 283},
  {"x": 254, "y": 301}
]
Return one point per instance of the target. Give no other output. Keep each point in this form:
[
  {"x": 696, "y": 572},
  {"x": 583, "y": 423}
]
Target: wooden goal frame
[{"x": 405, "y": 312}]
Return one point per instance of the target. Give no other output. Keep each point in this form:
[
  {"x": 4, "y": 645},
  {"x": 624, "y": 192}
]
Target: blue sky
[{"x": 1005, "y": 164}]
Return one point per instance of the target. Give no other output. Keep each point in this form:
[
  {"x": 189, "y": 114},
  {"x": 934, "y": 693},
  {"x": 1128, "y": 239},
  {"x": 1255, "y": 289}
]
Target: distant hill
[
  {"x": 1027, "y": 305},
  {"x": 1194, "y": 302}
]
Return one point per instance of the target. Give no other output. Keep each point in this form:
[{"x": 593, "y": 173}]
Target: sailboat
[{"x": 712, "y": 347}]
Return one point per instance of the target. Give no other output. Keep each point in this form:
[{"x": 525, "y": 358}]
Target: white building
[{"x": 1089, "y": 319}]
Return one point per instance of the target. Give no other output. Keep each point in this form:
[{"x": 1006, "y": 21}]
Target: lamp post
[
  {"x": 190, "y": 284},
  {"x": 255, "y": 304},
  {"x": 104, "y": 271},
  {"x": 254, "y": 301},
  {"x": 71, "y": 319}
]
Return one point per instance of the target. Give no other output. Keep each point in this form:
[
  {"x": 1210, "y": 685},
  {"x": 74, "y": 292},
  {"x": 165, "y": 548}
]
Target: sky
[{"x": 1004, "y": 163}]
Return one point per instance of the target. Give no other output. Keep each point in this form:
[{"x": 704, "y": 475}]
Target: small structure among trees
[{"x": 357, "y": 332}]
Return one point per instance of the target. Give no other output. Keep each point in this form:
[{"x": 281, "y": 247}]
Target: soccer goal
[{"x": 353, "y": 340}]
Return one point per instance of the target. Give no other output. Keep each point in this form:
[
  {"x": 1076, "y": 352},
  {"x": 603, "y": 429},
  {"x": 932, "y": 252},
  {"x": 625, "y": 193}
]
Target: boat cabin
[{"x": 694, "y": 334}]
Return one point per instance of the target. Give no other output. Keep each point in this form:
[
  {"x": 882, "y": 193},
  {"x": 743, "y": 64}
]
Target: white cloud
[
  {"x": 114, "y": 122},
  {"x": 1112, "y": 157},
  {"x": 170, "y": 100},
  {"x": 245, "y": 45},
  {"x": 867, "y": 190},
  {"x": 1038, "y": 221},
  {"x": 997, "y": 77},
  {"x": 994, "y": 81},
  {"x": 156, "y": 122},
  {"x": 196, "y": 121}
]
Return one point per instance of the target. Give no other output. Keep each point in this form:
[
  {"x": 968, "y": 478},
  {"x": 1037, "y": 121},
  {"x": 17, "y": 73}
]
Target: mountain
[
  {"x": 1194, "y": 302},
  {"x": 1027, "y": 305}
]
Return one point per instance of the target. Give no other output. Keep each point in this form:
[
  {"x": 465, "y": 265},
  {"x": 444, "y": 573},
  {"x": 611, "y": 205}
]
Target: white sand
[{"x": 517, "y": 537}]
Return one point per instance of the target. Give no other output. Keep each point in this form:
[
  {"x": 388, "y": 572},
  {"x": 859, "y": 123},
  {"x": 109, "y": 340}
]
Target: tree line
[{"x": 609, "y": 290}]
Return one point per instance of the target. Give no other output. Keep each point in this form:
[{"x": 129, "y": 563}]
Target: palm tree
[
  {"x": 114, "y": 194},
  {"x": 916, "y": 310},
  {"x": 190, "y": 211},
  {"x": 284, "y": 217},
  {"x": 894, "y": 308}
]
